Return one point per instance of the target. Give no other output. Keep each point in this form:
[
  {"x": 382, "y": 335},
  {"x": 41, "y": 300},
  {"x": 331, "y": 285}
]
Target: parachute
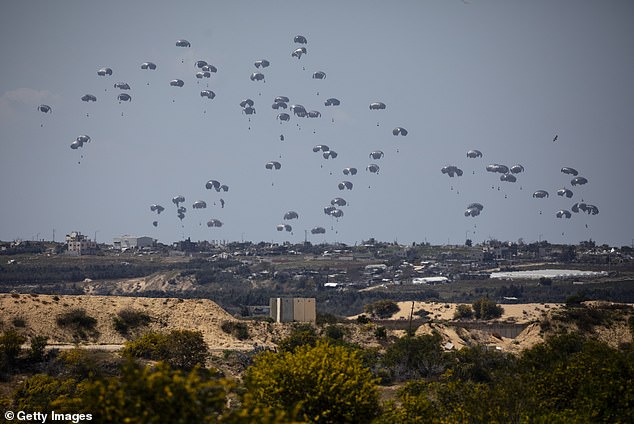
[
  {"x": 345, "y": 185},
  {"x": 578, "y": 181},
  {"x": 104, "y": 71},
  {"x": 122, "y": 85},
  {"x": 399, "y": 131},
  {"x": 209, "y": 68},
  {"x": 329, "y": 154},
  {"x": 516, "y": 169},
  {"x": 377, "y": 106},
  {"x": 183, "y": 43},
  {"x": 177, "y": 83},
  {"x": 273, "y": 165},
  {"x": 510, "y": 178},
  {"x": 338, "y": 201},
  {"x": 282, "y": 99},
  {"x": 564, "y": 192},
  {"x": 318, "y": 230},
  {"x": 277, "y": 105},
  {"x": 451, "y": 170},
  {"x": 207, "y": 93},
  {"x": 214, "y": 223},
  {"x": 377, "y": 154},
  {"x": 45, "y": 109},
  {"x": 540, "y": 194},
  {"x": 474, "y": 154},
  {"x": 563, "y": 214},
  {"x": 321, "y": 147},
  {"x": 80, "y": 141},
  {"x": 314, "y": 114},
  {"x": 473, "y": 209},
  {"x": 373, "y": 168},
  {"x": 300, "y": 39},
  {"x": 262, "y": 63},
  {"x": 246, "y": 102},
  {"x": 502, "y": 169},
  {"x": 203, "y": 74},
  {"x": 282, "y": 227},
  {"x": 213, "y": 184},
  {"x": 350, "y": 171},
  {"x": 88, "y": 98},
  {"x": 178, "y": 199},
  {"x": 257, "y": 76},
  {"x": 319, "y": 75},
  {"x": 284, "y": 116},
  {"x": 332, "y": 102},
  {"x": 291, "y": 215},
  {"x": 299, "y": 110},
  {"x": 570, "y": 171},
  {"x": 199, "y": 204},
  {"x": 248, "y": 110},
  {"x": 157, "y": 208},
  {"x": 299, "y": 52},
  {"x": 124, "y": 97},
  {"x": 200, "y": 64},
  {"x": 148, "y": 65}
]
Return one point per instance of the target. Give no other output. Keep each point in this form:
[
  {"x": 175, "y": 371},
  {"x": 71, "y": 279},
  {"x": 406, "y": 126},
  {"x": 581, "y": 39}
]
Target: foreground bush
[{"x": 325, "y": 383}]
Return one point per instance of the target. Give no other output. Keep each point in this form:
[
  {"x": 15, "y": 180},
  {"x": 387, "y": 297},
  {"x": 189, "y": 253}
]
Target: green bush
[
  {"x": 301, "y": 335},
  {"x": 334, "y": 332},
  {"x": 37, "y": 352},
  {"x": 10, "y": 349}
]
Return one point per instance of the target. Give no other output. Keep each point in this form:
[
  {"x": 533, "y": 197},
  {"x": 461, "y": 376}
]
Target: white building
[{"x": 130, "y": 242}]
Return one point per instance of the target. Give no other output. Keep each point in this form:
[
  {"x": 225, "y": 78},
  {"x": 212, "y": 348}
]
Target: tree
[
  {"x": 463, "y": 312},
  {"x": 484, "y": 308},
  {"x": 324, "y": 383}
]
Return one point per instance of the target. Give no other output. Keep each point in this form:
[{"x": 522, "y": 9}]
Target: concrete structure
[
  {"x": 293, "y": 309},
  {"x": 130, "y": 242},
  {"x": 430, "y": 280},
  {"x": 78, "y": 244}
]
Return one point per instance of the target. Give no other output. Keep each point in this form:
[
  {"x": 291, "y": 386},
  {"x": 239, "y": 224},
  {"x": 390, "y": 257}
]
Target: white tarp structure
[{"x": 547, "y": 273}]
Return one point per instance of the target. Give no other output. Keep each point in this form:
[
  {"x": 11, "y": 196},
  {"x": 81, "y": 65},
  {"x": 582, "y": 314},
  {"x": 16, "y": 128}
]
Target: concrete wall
[{"x": 288, "y": 309}]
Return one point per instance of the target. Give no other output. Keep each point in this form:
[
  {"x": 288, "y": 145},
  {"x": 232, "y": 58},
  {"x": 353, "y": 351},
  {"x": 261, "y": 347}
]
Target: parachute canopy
[
  {"x": 88, "y": 98},
  {"x": 177, "y": 83},
  {"x": 183, "y": 43},
  {"x": 273, "y": 165},
  {"x": 319, "y": 75},
  {"x": 104, "y": 71},
  {"x": 474, "y": 154},
  {"x": 377, "y": 106},
  {"x": 148, "y": 65},
  {"x": 332, "y": 102},
  {"x": 262, "y": 63},
  {"x": 540, "y": 194},
  {"x": 578, "y": 181},
  {"x": 399, "y": 131},
  {"x": 570, "y": 171}
]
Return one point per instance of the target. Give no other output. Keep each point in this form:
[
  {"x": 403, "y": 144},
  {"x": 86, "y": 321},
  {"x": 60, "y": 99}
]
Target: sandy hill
[{"x": 37, "y": 314}]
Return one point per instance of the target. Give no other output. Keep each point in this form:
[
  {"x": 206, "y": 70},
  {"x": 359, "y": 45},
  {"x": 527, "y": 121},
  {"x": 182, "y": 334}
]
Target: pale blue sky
[{"x": 503, "y": 77}]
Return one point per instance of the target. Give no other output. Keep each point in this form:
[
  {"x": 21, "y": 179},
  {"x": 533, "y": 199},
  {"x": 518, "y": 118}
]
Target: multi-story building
[{"x": 78, "y": 244}]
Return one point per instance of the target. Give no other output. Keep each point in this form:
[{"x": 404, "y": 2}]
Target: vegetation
[
  {"x": 239, "y": 330},
  {"x": 129, "y": 319},
  {"x": 382, "y": 308},
  {"x": 78, "y": 321},
  {"x": 181, "y": 349},
  {"x": 484, "y": 308},
  {"x": 324, "y": 383}
]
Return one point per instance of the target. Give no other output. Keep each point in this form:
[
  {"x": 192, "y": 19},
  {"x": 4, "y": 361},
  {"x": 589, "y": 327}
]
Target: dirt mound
[{"x": 37, "y": 315}]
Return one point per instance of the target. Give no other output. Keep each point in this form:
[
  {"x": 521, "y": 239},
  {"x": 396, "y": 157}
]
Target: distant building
[
  {"x": 78, "y": 244},
  {"x": 430, "y": 280},
  {"x": 129, "y": 242},
  {"x": 293, "y": 309}
]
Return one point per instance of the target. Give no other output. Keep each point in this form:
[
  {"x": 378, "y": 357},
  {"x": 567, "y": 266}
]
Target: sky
[{"x": 503, "y": 77}]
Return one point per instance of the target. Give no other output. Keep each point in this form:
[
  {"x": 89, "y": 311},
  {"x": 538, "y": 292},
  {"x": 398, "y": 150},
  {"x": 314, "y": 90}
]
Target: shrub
[
  {"x": 76, "y": 319},
  {"x": 333, "y": 332},
  {"x": 363, "y": 319},
  {"x": 380, "y": 333},
  {"x": 463, "y": 312},
  {"x": 129, "y": 319},
  {"x": 239, "y": 330},
  {"x": 301, "y": 335},
  {"x": 181, "y": 349},
  {"x": 18, "y": 322},
  {"x": 37, "y": 352},
  {"x": 382, "y": 308},
  {"x": 323, "y": 383},
  {"x": 10, "y": 348}
]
